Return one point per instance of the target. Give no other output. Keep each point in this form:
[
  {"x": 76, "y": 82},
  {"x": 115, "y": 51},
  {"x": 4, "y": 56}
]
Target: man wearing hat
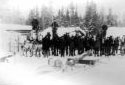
[
  {"x": 54, "y": 28},
  {"x": 35, "y": 24}
]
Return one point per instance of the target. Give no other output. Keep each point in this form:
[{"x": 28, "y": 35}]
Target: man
[
  {"x": 104, "y": 30},
  {"x": 54, "y": 28},
  {"x": 35, "y": 24}
]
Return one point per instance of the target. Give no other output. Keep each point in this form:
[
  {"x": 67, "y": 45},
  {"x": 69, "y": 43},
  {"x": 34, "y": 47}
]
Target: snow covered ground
[
  {"x": 20, "y": 70},
  {"x": 35, "y": 71}
]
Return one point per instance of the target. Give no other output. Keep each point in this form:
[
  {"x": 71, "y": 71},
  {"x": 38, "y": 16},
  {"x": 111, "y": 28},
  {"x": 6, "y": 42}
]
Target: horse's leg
[
  {"x": 26, "y": 50},
  {"x": 38, "y": 52},
  {"x": 31, "y": 52},
  {"x": 23, "y": 52}
]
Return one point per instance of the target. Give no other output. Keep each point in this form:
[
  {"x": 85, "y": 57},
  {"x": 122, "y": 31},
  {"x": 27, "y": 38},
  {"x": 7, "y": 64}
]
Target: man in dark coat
[
  {"x": 54, "y": 28},
  {"x": 35, "y": 24},
  {"x": 104, "y": 30}
]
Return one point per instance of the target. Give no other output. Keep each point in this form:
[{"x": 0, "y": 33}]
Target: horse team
[
  {"x": 73, "y": 45},
  {"x": 67, "y": 45}
]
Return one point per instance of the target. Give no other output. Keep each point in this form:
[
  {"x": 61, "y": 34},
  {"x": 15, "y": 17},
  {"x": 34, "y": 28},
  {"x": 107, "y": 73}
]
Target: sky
[{"x": 25, "y": 5}]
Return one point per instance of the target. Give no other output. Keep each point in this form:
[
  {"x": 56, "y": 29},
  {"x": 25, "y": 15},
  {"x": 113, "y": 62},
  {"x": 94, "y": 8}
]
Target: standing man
[
  {"x": 54, "y": 28},
  {"x": 35, "y": 27},
  {"x": 104, "y": 30},
  {"x": 35, "y": 24}
]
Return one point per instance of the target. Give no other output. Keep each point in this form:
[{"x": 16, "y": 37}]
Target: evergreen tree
[
  {"x": 92, "y": 19},
  {"x": 34, "y": 13},
  {"x": 76, "y": 18},
  {"x": 102, "y": 17},
  {"x": 46, "y": 17},
  {"x": 61, "y": 17},
  {"x": 67, "y": 17},
  {"x": 88, "y": 16},
  {"x": 30, "y": 17},
  {"x": 72, "y": 14},
  {"x": 58, "y": 17},
  {"x": 112, "y": 18}
]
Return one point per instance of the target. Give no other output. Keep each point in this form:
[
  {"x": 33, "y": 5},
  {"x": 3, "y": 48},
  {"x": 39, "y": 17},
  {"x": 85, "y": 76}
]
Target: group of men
[{"x": 75, "y": 45}]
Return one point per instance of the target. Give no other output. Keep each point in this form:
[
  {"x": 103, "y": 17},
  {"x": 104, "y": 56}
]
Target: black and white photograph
[{"x": 62, "y": 42}]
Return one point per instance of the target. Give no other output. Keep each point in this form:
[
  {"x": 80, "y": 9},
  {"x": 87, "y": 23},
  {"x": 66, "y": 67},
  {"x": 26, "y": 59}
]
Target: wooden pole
[
  {"x": 10, "y": 45},
  {"x": 18, "y": 44}
]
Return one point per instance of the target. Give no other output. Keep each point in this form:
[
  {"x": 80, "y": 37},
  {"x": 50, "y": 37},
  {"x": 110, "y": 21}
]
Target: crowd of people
[{"x": 75, "y": 45}]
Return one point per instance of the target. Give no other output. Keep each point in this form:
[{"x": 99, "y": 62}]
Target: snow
[
  {"x": 4, "y": 53},
  {"x": 32, "y": 70},
  {"x": 29, "y": 71},
  {"x": 62, "y": 30},
  {"x": 22, "y": 70},
  {"x": 116, "y": 31}
]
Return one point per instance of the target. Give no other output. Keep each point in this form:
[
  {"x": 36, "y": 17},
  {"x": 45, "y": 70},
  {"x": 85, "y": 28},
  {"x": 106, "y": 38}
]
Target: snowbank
[
  {"x": 35, "y": 71},
  {"x": 116, "y": 31},
  {"x": 4, "y": 53},
  {"x": 62, "y": 30}
]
